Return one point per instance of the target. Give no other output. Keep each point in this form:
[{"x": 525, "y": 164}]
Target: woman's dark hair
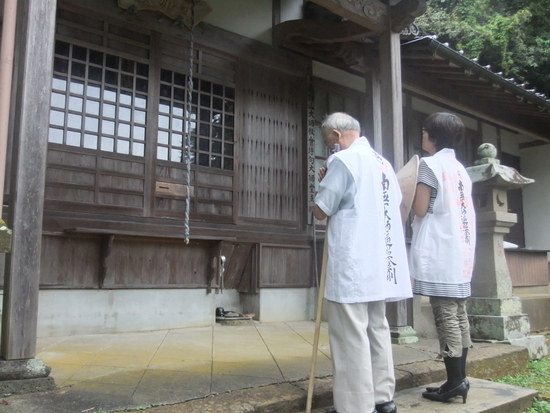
[{"x": 445, "y": 130}]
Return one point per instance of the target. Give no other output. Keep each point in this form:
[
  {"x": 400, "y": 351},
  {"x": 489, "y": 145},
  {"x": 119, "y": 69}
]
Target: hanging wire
[{"x": 188, "y": 109}]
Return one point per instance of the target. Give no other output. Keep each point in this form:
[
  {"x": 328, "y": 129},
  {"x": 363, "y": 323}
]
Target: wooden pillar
[
  {"x": 373, "y": 127},
  {"x": 399, "y": 313},
  {"x": 391, "y": 98},
  {"x": 30, "y": 114}
]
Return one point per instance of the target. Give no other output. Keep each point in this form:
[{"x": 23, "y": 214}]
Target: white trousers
[{"x": 362, "y": 359}]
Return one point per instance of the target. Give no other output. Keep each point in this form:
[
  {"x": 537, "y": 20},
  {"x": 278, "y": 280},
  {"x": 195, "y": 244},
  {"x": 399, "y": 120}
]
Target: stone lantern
[{"x": 494, "y": 313}]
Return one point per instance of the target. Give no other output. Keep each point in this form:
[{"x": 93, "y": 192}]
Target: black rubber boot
[
  {"x": 463, "y": 363},
  {"x": 462, "y": 371},
  {"x": 454, "y": 386}
]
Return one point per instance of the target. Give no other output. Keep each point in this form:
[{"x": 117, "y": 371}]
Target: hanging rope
[{"x": 188, "y": 109}]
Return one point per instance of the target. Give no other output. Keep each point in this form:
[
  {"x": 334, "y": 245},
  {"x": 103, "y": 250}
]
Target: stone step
[{"x": 484, "y": 397}]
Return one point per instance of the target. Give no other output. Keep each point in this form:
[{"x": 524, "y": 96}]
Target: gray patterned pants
[{"x": 451, "y": 322}]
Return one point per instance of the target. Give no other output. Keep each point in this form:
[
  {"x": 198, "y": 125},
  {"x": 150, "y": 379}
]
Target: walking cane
[{"x": 321, "y": 294}]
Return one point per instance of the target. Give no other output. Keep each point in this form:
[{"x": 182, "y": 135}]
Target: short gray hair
[{"x": 341, "y": 122}]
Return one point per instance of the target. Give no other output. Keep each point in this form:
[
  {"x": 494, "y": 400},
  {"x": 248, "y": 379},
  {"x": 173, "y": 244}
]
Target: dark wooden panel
[
  {"x": 214, "y": 194},
  {"x": 527, "y": 268},
  {"x": 116, "y": 198},
  {"x": 207, "y": 63},
  {"x": 235, "y": 267},
  {"x": 58, "y": 175},
  {"x": 218, "y": 62},
  {"x": 164, "y": 170},
  {"x": 89, "y": 208},
  {"x": 145, "y": 263},
  {"x": 217, "y": 74},
  {"x": 66, "y": 32},
  {"x": 63, "y": 157},
  {"x": 55, "y": 193},
  {"x": 285, "y": 266},
  {"x": 121, "y": 182},
  {"x": 169, "y": 204},
  {"x": 249, "y": 278},
  {"x": 130, "y": 36},
  {"x": 72, "y": 177},
  {"x": 214, "y": 179},
  {"x": 214, "y": 209},
  {"x": 69, "y": 262},
  {"x": 90, "y": 27},
  {"x": 270, "y": 149},
  {"x": 122, "y": 166},
  {"x": 128, "y": 48},
  {"x": 78, "y": 19}
]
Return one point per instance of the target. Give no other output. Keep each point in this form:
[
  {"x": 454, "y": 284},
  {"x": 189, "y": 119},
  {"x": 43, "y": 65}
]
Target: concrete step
[{"x": 484, "y": 397}]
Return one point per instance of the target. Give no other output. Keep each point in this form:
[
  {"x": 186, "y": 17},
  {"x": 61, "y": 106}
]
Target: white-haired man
[{"x": 367, "y": 266}]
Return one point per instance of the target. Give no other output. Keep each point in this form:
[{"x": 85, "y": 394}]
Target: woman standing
[{"x": 443, "y": 246}]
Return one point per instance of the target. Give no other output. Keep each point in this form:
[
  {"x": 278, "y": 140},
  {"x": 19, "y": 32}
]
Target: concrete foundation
[
  {"x": 287, "y": 304},
  {"x": 115, "y": 311}
]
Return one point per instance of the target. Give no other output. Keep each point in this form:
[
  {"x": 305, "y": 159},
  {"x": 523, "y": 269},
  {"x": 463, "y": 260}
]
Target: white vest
[
  {"x": 367, "y": 258},
  {"x": 443, "y": 243}
]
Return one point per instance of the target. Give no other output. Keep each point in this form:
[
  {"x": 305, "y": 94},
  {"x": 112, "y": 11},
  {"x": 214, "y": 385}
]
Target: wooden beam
[
  {"x": 391, "y": 98},
  {"x": 531, "y": 144},
  {"x": 371, "y": 14},
  {"x": 30, "y": 114},
  {"x": 311, "y": 31},
  {"x": 474, "y": 106}
]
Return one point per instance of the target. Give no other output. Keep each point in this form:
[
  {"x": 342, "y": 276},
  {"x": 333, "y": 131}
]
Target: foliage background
[{"x": 512, "y": 36}]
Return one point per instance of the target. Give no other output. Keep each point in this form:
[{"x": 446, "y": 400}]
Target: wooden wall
[
  {"x": 527, "y": 268},
  {"x": 271, "y": 171},
  {"x": 114, "y": 219},
  {"x": 285, "y": 266}
]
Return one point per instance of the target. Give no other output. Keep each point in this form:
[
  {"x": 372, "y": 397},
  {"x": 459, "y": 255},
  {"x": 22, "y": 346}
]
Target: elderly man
[{"x": 367, "y": 266}]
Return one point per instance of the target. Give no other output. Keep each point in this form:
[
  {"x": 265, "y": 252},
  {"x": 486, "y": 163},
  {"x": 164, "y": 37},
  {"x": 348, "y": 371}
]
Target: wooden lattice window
[
  {"x": 99, "y": 100},
  {"x": 211, "y": 121}
]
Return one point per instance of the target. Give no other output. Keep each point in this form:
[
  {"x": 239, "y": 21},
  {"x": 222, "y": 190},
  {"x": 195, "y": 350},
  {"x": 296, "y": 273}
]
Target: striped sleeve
[{"x": 427, "y": 177}]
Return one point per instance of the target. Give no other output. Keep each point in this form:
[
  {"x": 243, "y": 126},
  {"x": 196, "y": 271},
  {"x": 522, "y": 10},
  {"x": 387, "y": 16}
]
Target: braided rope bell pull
[{"x": 188, "y": 128}]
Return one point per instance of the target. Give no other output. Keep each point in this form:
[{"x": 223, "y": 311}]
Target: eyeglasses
[{"x": 424, "y": 130}]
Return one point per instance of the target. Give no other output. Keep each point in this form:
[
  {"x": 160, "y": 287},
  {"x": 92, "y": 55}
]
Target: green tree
[{"x": 513, "y": 36}]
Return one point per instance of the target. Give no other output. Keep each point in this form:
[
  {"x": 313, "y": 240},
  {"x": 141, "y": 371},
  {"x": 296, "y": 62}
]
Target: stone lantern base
[{"x": 500, "y": 320}]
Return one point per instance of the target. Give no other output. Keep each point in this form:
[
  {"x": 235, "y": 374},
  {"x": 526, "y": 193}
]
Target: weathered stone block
[
  {"x": 27, "y": 386},
  {"x": 23, "y": 369},
  {"x": 499, "y": 328},
  {"x": 494, "y": 306}
]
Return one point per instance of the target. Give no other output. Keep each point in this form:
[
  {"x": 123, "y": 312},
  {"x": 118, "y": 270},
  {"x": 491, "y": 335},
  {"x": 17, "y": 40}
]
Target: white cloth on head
[
  {"x": 443, "y": 243},
  {"x": 367, "y": 258}
]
